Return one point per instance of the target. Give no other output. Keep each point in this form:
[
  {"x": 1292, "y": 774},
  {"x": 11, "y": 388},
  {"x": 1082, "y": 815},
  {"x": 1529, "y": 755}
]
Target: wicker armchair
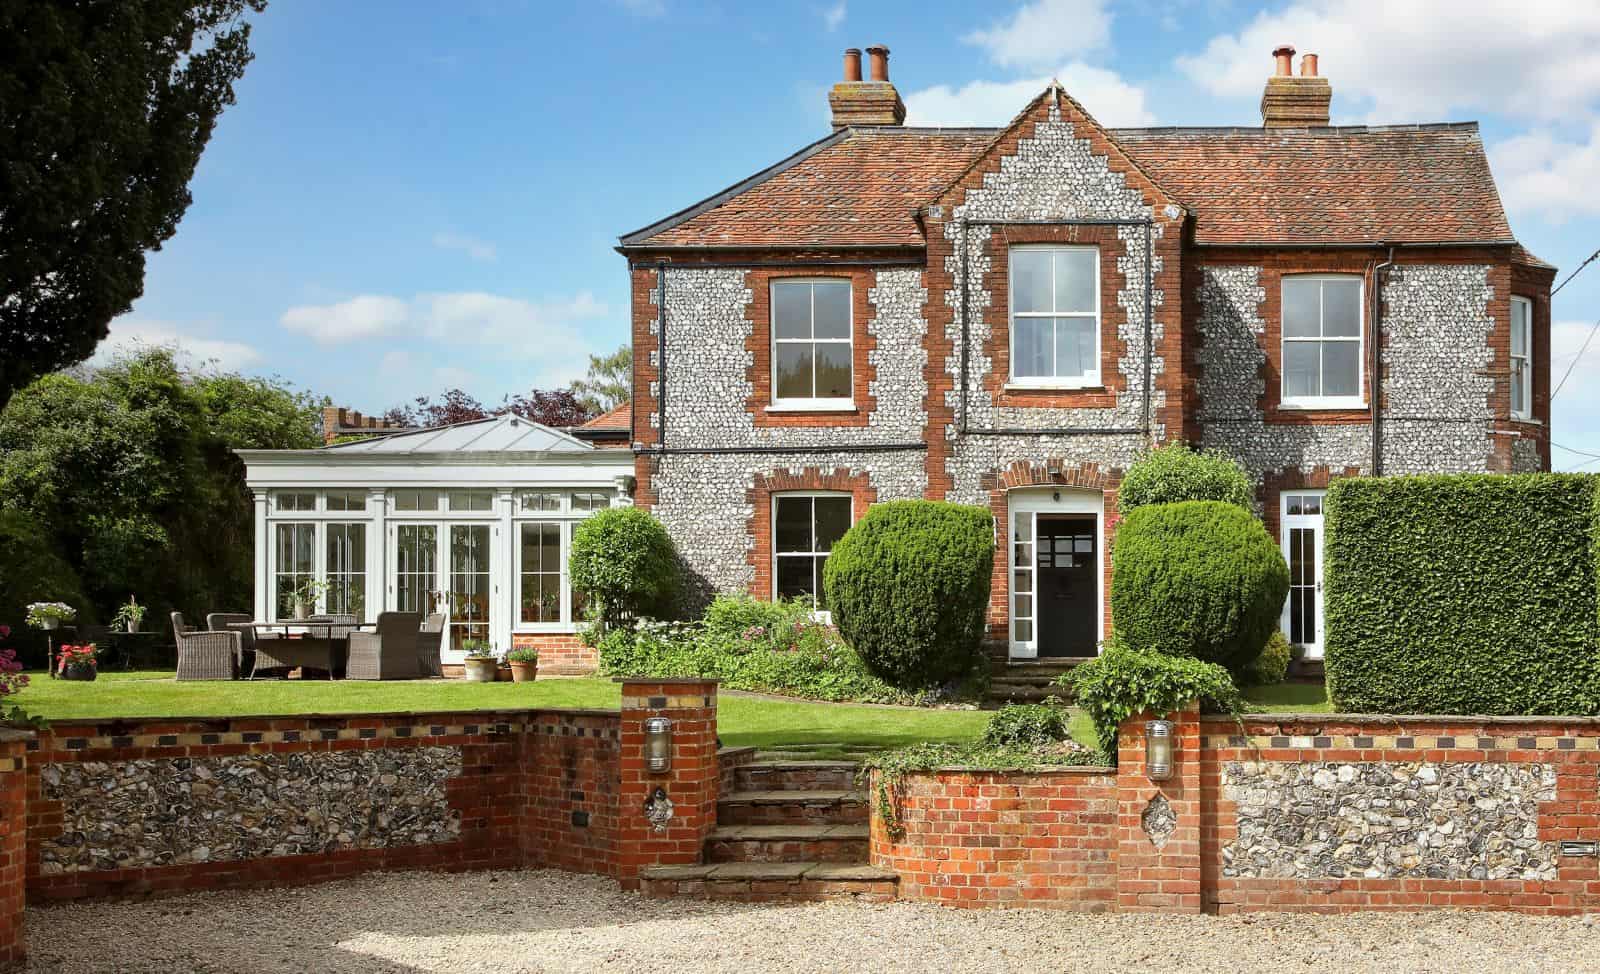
[
  {"x": 223, "y": 622},
  {"x": 388, "y": 654},
  {"x": 205, "y": 655},
  {"x": 428, "y": 639}
]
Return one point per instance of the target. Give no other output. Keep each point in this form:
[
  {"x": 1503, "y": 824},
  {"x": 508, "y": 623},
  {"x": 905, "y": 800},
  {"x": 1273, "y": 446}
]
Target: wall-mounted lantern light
[
  {"x": 658, "y": 745},
  {"x": 1158, "y": 750}
]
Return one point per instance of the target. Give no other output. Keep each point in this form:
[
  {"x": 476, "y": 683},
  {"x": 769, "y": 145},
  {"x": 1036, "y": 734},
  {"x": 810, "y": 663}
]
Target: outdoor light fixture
[
  {"x": 1158, "y": 750},
  {"x": 658, "y": 745}
]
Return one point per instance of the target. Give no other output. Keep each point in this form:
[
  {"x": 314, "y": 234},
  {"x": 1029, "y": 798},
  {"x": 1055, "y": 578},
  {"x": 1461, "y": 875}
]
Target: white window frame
[
  {"x": 1358, "y": 400},
  {"x": 822, "y": 615},
  {"x": 568, "y": 517},
  {"x": 319, "y": 518},
  {"x": 810, "y": 404},
  {"x": 1090, "y": 379},
  {"x": 1522, "y": 410},
  {"x": 1318, "y": 523}
]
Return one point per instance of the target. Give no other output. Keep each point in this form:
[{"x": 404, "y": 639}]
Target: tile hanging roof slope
[{"x": 1336, "y": 185}]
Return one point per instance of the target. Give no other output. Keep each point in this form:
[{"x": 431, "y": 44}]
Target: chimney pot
[
  {"x": 852, "y": 64},
  {"x": 878, "y": 56},
  {"x": 1285, "y": 57},
  {"x": 1308, "y": 66}
]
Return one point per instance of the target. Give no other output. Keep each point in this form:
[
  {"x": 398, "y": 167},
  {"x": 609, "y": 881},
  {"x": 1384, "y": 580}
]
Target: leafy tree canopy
[
  {"x": 609, "y": 382},
  {"x": 105, "y": 109},
  {"x": 557, "y": 407}
]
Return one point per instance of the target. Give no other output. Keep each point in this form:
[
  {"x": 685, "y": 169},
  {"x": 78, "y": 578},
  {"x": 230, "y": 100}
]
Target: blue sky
[{"x": 413, "y": 195}]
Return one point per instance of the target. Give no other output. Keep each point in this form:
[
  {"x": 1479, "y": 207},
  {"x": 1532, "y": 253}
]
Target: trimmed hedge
[
  {"x": 623, "y": 559},
  {"x": 1271, "y": 667},
  {"x": 1174, "y": 472},
  {"x": 1462, "y": 594},
  {"x": 1197, "y": 578},
  {"x": 908, "y": 586}
]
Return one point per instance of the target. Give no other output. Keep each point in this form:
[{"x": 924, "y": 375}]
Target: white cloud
[
  {"x": 1540, "y": 173},
  {"x": 479, "y": 250},
  {"x": 833, "y": 16},
  {"x": 554, "y": 333},
  {"x": 1422, "y": 60},
  {"x": 361, "y": 317},
  {"x": 195, "y": 351},
  {"x": 1044, "y": 33},
  {"x": 1112, "y": 101}
]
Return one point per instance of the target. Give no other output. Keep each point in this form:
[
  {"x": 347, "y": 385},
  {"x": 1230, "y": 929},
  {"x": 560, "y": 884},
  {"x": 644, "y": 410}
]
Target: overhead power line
[{"x": 1575, "y": 272}]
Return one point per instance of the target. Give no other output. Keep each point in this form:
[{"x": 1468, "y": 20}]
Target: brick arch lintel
[{"x": 1051, "y": 473}]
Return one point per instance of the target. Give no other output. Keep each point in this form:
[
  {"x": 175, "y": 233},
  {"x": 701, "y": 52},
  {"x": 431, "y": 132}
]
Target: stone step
[
  {"x": 788, "y": 843},
  {"x": 796, "y": 775},
  {"x": 771, "y": 881},
  {"x": 1026, "y": 694},
  {"x": 816, "y": 807}
]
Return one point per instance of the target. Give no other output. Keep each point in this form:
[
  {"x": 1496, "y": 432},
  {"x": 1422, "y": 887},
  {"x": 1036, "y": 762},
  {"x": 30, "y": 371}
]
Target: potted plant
[
  {"x": 481, "y": 664},
  {"x": 306, "y": 595},
  {"x": 524, "y": 663},
  {"x": 78, "y": 662},
  {"x": 129, "y": 615},
  {"x": 50, "y": 615}
]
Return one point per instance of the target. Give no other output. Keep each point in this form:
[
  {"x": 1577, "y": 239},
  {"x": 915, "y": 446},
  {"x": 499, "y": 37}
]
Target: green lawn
[
  {"x": 1297, "y": 698},
  {"x": 743, "y": 720}
]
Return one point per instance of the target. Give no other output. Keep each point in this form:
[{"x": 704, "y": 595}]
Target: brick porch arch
[
  {"x": 1046, "y": 473},
  {"x": 759, "y": 529}
]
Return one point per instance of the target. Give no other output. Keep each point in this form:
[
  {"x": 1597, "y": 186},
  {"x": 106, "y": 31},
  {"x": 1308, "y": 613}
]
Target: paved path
[{"x": 547, "y": 921}]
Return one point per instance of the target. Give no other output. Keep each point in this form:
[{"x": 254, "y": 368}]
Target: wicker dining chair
[
  {"x": 205, "y": 655},
  {"x": 428, "y": 639},
  {"x": 223, "y": 622},
  {"x": 388, "y": 654}
]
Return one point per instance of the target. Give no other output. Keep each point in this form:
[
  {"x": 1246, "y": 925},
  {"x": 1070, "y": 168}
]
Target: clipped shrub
[
  {"x": 1173, "y": 473},
  {"x": 1122, "y": 682},
  {"x": 1271, "y": 666},
  {"x": 1462, "y": 594},
  {"x": 1197, "y": 578},
  {"x": 908, "y": 586},
  {"x": 1027, "y": 725},
  {"x": 624, "y": 562}
]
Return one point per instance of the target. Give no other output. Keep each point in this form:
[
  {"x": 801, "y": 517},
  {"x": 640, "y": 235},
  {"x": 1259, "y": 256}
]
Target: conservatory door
[
  {"x": 469, "y": 586},
  {"x": 1301, "y": 516}
]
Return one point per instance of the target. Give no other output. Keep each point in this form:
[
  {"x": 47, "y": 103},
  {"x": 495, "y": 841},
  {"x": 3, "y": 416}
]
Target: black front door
[{"x": 1069, "y": 585}]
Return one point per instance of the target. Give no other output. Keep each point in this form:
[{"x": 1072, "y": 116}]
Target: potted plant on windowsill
[
  {"x": 481, "y": 666},
  {"x": 50, "y": 615},
  {"x": 524, "y": 664},
  {"x": 78, "y": 662},
  {"x": 306, "y": 595},
  {"x": 129, "y": 615}
]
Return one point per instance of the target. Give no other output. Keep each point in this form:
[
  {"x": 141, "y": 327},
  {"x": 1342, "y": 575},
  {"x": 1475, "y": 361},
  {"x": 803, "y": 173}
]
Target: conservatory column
[
  {"x": 623, "y": 499},
  {"x": 263, "y": 583},
  {"x": 503, "y": 595},
  {"x": 377, "y": 552}
]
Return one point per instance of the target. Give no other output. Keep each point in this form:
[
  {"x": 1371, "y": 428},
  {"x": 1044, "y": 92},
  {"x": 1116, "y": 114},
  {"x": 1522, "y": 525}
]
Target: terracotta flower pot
[
  {"x": 524, "y": 671},
  {"x": 503, "y": 674},
  {"x": 481, "y": 670}
]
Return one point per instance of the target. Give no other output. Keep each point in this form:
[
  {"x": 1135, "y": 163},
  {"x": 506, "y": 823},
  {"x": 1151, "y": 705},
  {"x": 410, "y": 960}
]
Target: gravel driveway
[{"x": 550, "y": 921}]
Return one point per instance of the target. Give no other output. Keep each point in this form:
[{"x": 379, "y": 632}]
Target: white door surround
[
  {"x": 1300, "y": 520},
  {"x": 1024, "y": 505}
]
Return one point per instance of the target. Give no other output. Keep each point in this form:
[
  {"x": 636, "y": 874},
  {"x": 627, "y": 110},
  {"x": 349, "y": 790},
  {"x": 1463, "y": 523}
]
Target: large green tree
[
  {"x": 127, "y": 473},
  {"x": 105, "y": 108},
  {"x": 609, "y": 382}
]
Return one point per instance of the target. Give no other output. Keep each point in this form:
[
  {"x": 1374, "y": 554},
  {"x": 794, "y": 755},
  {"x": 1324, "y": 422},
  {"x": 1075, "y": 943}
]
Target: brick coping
[
  {"x": 1036, "y": 770},
  {"x": 347, "y": 715},
  {"x": 1336, "y": 718}
]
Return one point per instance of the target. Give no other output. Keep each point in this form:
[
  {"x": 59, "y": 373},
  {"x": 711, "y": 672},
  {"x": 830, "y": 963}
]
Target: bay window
[
  {"x": 1055, "y": 316},
  {"x": 1322, "y": 343},
  {"x": 804, "y": 529}
]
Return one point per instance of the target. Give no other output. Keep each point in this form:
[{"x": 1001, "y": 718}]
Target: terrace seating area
[{"x": 398, "y": 646}]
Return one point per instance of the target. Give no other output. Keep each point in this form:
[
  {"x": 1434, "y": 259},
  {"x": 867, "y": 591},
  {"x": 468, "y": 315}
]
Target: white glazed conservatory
[{"x": 474, "y": 520}]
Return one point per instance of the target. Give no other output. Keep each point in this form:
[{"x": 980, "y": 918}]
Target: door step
[
  {"x": 767, "y": 881},
  {"x": 788, "y": 843},
  {"x": 814, "y": 807},
  {"x": 796, "y": 775}
]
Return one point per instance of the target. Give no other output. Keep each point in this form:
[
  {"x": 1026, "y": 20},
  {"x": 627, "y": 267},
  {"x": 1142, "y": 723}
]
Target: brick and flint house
[{"x": 1008, "y": 316}]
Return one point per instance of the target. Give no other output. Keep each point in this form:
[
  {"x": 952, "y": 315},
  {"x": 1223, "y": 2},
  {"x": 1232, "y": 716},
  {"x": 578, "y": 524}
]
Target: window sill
[
  {"x": 1015, "y": 386},
  {"x": 545, "y": 629},
  {"x": 1326, "y": 405},
  {"x": 819, "y": 407}
]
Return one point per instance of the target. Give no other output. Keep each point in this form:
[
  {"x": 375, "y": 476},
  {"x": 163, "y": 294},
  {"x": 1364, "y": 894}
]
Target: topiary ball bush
[
  {"x": 908, "y": 586},
  {"x": 1174, "y": 473},
  {"x": 1197, "y": 578},
  {"x": 1270, "y": 667},
  {"x": 623, "y": 560}
]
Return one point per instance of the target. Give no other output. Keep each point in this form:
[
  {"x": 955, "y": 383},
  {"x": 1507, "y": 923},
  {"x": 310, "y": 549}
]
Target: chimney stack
[
  {"x": 874, "y": 102},
  {"x": 1295, "y": 102}
]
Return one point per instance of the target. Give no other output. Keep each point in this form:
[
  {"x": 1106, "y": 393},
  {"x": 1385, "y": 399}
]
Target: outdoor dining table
[{"x": 303, "y": 650}]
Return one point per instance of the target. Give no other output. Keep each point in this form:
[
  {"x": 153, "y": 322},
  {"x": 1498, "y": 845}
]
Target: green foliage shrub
[
  {"x": 1123, "y": 681},
  {"x": 1027, "y": 725},
  {"x": 31, "y": 571},
  {"x": 887, "y": 769},
  {"x": 1197, "y": 578},
  {"x": 908, "y": 586},
  {"x": 1462, "y": 594},
  {"x": 624, "y": 562},
  {"x": 765, "y": 647},
  {"x": 1175, "y": 473},
  {"x": 1271, "y": 666}
]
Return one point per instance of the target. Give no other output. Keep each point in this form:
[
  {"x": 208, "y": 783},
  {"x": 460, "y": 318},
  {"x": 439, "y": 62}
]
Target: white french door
[
  {"x": 446, "y": 567},
  {"x": 1048, "y": 617},
  {"x": 1300, "y": 515}
]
